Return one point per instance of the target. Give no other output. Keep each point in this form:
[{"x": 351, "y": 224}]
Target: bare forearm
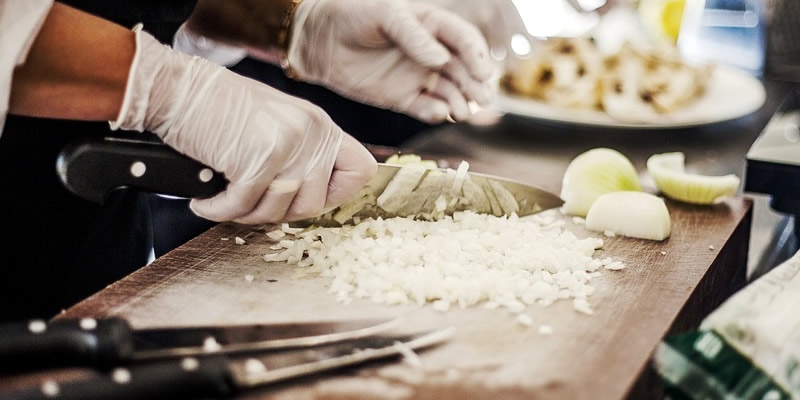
[{"x": 77, "y": 68}]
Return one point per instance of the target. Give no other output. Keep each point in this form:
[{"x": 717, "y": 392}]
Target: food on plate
[
  {"x": 668, "y": 172},
  {"x": 633, "y": 214},
  {"x": 633, "y": 84},
  {"x": 565, "y": 72},
  {"x": 641, "y": 85},
  {"x": 593, "y": 173}
]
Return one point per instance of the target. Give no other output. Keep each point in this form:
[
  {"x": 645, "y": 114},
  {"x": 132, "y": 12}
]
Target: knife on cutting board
[
  {"x": 102, "y": 343},
  {"x": 224, "y": 375},
  {"x": 94, "y": 169}
]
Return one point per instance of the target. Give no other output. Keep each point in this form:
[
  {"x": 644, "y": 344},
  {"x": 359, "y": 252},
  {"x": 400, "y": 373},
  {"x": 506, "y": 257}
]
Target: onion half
[
  {"x": 593, "y": 173},
  {"x": 632, "y": 214}
]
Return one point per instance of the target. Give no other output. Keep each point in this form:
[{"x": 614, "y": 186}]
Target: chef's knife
[
  {"x": 107, "y": 342},
  {"x": 223, "y": 376},
  {"x": 93, "y": 169}
]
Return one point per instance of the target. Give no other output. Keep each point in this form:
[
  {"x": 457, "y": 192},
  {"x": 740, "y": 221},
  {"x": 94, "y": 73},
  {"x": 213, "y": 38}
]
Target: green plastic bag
[{"x": 748, "y": 348}]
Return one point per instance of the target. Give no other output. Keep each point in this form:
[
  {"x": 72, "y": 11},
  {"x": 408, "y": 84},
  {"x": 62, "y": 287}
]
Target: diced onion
[{"x": 458, "y": 261}]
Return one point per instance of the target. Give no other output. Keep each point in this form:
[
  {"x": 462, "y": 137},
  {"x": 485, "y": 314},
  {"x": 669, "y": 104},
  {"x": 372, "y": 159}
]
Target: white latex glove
[
  {"x": 413, "y": 58},
  {"x": 498, "y": 20},
  {"x": 284, "y": 157}
]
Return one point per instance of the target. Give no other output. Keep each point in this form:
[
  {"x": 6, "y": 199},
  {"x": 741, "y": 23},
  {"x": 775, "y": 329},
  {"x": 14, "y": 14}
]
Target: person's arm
[
  {"x": 77, "y": 68},
  {"x": 413, "y": 58},
  {"x": 284, "y": 158}
]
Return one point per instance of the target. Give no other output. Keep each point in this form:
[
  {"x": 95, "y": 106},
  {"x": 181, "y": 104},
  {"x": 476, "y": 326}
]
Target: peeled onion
[
  {"x": 593, "y": 173},
  {"x": 632, "y": 214},
  {"x": 667, "y": 170}
]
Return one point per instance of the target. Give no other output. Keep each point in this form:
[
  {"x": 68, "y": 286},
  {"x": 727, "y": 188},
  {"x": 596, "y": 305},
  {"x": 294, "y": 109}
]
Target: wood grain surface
[{"x": 667, "y": 285}]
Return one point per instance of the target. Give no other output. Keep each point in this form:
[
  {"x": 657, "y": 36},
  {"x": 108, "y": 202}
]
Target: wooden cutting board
[{"x": 667, "y": 285}]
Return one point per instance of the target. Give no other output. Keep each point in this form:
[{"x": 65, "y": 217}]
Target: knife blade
[
  {"x": 94, "y": 169},
  {"x": 220, "y": 376},
  {"x": 425, "y": 193},
  {"x": 107, "y": 342}
]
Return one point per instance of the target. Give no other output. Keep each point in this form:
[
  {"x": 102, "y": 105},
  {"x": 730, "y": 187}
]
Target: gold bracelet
[{"x": 285, "y": 33}]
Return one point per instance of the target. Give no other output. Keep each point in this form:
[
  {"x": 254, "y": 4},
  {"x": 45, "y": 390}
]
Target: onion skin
[{"x": 633, "y": 214}]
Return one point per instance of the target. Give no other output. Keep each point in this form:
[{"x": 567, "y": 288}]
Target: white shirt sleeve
[{"x": 20, "y": 21}]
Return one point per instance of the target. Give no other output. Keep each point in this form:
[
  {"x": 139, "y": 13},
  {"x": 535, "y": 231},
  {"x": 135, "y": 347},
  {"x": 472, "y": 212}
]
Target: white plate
[{"x": 730, "y": 94}]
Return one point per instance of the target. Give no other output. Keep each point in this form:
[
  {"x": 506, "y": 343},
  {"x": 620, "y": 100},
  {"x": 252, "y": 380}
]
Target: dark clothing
[{"x": 57, "y": 248}]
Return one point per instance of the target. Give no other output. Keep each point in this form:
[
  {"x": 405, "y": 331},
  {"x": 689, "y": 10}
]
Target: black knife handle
[
  {"x": 39, "y": 345},
  {"x": 93, "y": 169},
  {"x": 187, "y": 378}
]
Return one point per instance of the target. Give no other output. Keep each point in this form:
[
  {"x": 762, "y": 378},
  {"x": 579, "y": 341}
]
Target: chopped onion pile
[{"x": 461, "y": 260}]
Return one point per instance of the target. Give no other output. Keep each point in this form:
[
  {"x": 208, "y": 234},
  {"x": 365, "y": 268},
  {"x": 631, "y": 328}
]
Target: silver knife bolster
[{"x": 38, "y": 344}]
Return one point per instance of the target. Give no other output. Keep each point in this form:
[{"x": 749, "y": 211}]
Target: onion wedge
[
  {"x": 667, "y": 170},
  {"x": 632, "y": 214},
  {"x": 593, "y": 173}
]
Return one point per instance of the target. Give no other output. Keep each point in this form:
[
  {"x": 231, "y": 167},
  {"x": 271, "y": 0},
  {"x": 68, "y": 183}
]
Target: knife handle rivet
[
  {"x": 254, "y": 366},
  {"x": 121, "y": 375},
  {"x": 205, "y": 175},
  {"x": 37, "y": 326},
  {"x": 210, "y": 345},
  {"x": 50, "y": 388},
  {"x": 190, "y": 364},
  {"x": 88, "y": 324},
  {"x": 138, "y": 169}
]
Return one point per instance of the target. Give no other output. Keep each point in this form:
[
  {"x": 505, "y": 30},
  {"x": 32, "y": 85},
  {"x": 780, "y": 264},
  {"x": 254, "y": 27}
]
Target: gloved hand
[
  {"x": 413, "y": 58},
  {"x": 498, "y": 20},
  {"x": 284, "y": 157}
]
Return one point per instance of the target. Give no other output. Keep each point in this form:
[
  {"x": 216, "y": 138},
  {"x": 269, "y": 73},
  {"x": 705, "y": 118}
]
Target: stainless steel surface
[{"x": 429, "y": 193}]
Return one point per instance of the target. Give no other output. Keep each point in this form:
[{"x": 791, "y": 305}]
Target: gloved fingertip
[
  {"x": 484, "y": 66},
  {"x": 435, "y": 113},
  {"x": 485, "y": 94},
  {"x": 199, "y": 208},
  {"x": 434, "y": 57}
]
